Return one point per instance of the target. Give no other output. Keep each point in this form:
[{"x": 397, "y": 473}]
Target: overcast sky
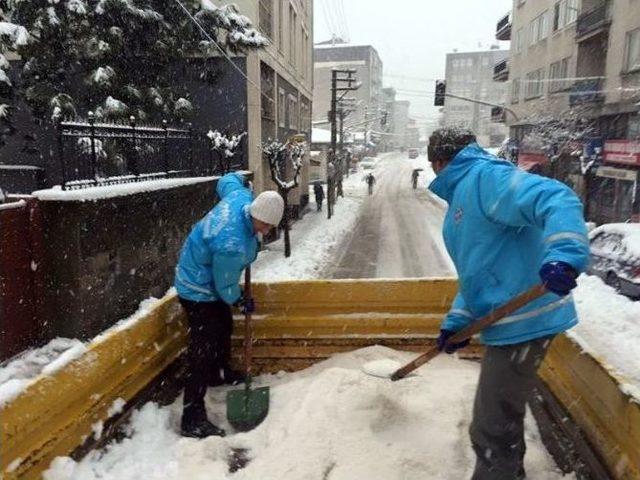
[{"x": 412, "y": 37}]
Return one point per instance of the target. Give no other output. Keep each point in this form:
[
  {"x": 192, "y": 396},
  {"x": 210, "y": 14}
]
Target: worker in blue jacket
[
  {"x": 218, "y": 249},
  {"x": 506, "y": 231}
]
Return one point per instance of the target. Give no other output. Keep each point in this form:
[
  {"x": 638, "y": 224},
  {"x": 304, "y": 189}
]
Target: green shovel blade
[{"x": 247, "y": 408}]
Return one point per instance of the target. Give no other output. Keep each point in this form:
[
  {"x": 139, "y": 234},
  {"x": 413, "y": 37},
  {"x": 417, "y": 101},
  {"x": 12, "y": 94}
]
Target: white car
[
  {"x": 367, "y": 164},
  {"x": 615, "y": 256}
]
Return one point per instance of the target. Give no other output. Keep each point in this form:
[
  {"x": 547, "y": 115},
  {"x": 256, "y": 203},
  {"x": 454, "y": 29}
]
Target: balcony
[
  {"x": 498, "y": 115},
  {"x": 503, "y": 30},
  {"x": 586, "y": 92},
  {"x": 501, "y": 71},
  {"x": 593, "y": 22}
]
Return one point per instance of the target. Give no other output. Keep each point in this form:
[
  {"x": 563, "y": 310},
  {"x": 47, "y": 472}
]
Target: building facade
[
  {"x": 369, "y": 100},
  {"x": 577, "y": 63},
  {"x": 470, "y": 75},
  {"x": 279, "y": 89},
  {"x": 401, "y": 122}
]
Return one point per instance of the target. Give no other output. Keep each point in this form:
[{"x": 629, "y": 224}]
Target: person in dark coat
[{"x": 318, "y": 191}]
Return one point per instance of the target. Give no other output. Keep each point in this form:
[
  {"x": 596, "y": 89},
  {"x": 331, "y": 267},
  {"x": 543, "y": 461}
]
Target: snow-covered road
[{"x": 398, "y": 232}]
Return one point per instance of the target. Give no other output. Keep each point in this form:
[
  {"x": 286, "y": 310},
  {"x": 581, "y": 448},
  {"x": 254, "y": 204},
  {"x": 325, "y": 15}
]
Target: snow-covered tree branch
[
  {"x": 112, "y": 57},
  {"x": 225, "y": 147},
  {"x": 279, "y": 155}
]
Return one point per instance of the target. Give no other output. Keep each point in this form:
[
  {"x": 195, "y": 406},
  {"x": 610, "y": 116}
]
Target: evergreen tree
[{"x": 114, "y": 57}]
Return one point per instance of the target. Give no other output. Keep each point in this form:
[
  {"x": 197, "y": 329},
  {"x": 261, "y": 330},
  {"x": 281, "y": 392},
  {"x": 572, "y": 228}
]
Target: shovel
[
  {"x": 247, "y": 408},
  {"x": 469, "y": 331}
]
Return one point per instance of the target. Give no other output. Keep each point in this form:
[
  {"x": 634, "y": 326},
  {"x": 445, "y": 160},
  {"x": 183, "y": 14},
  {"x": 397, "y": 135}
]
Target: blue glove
[
  {"x": 248, "y": 306},
  {"x": 559, "y": 277},
  {"x": 451, "y": 347}
]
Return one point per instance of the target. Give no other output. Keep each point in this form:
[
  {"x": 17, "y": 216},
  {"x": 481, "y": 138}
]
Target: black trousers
[
  {"x": 507, "y": 378},
  {"x": 209, "y": 350}
]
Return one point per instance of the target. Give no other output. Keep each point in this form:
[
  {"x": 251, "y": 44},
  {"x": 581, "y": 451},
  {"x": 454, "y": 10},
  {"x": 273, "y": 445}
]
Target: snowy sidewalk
[
  {"x": 330, "y": 421},
  {"x": 314, "y": 238}
]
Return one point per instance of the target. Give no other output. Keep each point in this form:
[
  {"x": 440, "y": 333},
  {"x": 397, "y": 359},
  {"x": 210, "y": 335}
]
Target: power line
[{"x": 224, "y": 54}]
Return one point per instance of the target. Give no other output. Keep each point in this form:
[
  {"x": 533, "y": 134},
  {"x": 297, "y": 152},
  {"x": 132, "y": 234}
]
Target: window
[
  {"x": 293, "y": 113},
  {"x": 538, "y": 28},
  {"x": 519, "y": 40},
  {"x": 265, "y": 12},
  {"x": 565, "y": 12},
  {"x": 292, "y": 35},
  {"x": 515, "y": 90},
  {"x": 281, "y": 108},
  {"x": 281, "y": 28},
  {"x": 557, "y": 74},
  {"x": 632, "y": 51},
  {"x": 534, "y": 87}
]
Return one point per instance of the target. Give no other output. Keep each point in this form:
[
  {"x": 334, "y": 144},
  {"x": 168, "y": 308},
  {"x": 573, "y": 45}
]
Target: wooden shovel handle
[
  {"x": 473, "y": 328},
  {"x": 247, "y": 324}
]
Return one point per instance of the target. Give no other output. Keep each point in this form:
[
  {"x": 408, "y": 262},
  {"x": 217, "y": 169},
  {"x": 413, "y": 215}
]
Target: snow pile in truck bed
[
  {"x": 609, "y": 329},
  {"x": 330, "y": 421}
]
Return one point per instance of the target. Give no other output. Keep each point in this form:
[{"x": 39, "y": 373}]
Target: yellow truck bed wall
[{"x": 297, "y": 323}]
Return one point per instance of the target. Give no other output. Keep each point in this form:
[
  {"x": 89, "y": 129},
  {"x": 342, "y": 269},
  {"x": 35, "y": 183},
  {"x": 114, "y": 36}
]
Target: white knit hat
[{"x": 268, "y": 207}]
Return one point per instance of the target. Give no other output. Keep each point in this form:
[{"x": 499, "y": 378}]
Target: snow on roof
[
  {"x": 630, "y": 233},
  {"x": 340, "y": 45},
  {"x": 110, "y": 191}
]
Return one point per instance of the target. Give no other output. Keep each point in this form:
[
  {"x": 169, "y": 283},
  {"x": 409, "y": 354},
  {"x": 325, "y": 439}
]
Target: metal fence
[
  {"x": 593, "y": 20},
  {"x": 93, "y": 153}
]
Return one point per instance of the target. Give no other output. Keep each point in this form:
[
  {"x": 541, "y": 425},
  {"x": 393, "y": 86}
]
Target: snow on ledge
[
  {"x": 13, "y": 205},
  {"x": 110, "y": 191}
]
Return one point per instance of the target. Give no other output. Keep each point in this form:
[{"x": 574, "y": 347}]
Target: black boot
[
  {"x": 196, "y": 425},
  {"x": 232, "y": 377}
]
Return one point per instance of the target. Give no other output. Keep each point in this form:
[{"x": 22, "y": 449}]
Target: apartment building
[
  {"x": 581, "y": 60},
  {"x": 471, "y": 75},
  {"x": 369, "y": 100}
]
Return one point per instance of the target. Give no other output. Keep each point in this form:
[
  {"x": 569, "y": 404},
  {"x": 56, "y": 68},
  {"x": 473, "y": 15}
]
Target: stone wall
[{"x": 104, "y": 256}]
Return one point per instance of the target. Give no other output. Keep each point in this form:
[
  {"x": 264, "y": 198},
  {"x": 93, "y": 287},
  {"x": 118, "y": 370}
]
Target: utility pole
[{"x": 341, "y": 81}]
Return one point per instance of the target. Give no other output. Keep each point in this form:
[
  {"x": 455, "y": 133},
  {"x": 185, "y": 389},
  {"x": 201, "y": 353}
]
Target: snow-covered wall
[{"x": 104, "y": 254}]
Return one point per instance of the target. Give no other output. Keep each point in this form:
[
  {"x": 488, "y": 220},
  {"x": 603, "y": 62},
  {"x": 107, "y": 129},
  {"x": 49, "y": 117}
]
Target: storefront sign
[
  {"x": 622, "y": 151},
  {"x": 619, "y": 173}
]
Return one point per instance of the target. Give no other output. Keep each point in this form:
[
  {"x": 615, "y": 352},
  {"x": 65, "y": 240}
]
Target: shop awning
[{"x": 527, "y": 161}]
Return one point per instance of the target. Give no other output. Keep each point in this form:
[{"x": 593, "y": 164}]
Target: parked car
[
  {"x": 368, "y": 163},
  {"x": 414, "y": 152},
  {"x": 615, "y": 256}
]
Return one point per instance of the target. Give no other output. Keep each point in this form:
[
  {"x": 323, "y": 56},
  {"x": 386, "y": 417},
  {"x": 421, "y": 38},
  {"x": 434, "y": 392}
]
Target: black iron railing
[
  {"x": 593, "y": 20},
  {"x": 503, "y": 28},
  {"x": 501, "y": 68},
  {"x": 94, "y": 153},
  {"x": 586, "y": 91}
]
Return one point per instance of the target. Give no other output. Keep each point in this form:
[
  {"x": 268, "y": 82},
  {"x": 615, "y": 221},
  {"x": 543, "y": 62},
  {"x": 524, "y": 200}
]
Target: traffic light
[
  {"x": 383, "y": 122},
  {"x": 441, "y": 90}
]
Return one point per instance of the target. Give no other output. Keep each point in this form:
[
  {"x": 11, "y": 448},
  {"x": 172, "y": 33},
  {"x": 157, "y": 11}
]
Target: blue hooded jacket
[
  {"x": 502, "y": 225},
  {"x": 219, "y": 247}
]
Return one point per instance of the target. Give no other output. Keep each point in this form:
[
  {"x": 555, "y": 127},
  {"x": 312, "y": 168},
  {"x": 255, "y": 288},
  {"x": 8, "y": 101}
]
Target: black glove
[{"x": 449, "y": 347}]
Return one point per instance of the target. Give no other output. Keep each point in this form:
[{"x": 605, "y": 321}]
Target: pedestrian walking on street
[
  {"x": 371, "y": 181},
  {"x": 318, "y": 192},
  {"x": 506, "y": 231},
  {"x": 414, "y": 178},
  {"x": 218, "y": 249}
]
